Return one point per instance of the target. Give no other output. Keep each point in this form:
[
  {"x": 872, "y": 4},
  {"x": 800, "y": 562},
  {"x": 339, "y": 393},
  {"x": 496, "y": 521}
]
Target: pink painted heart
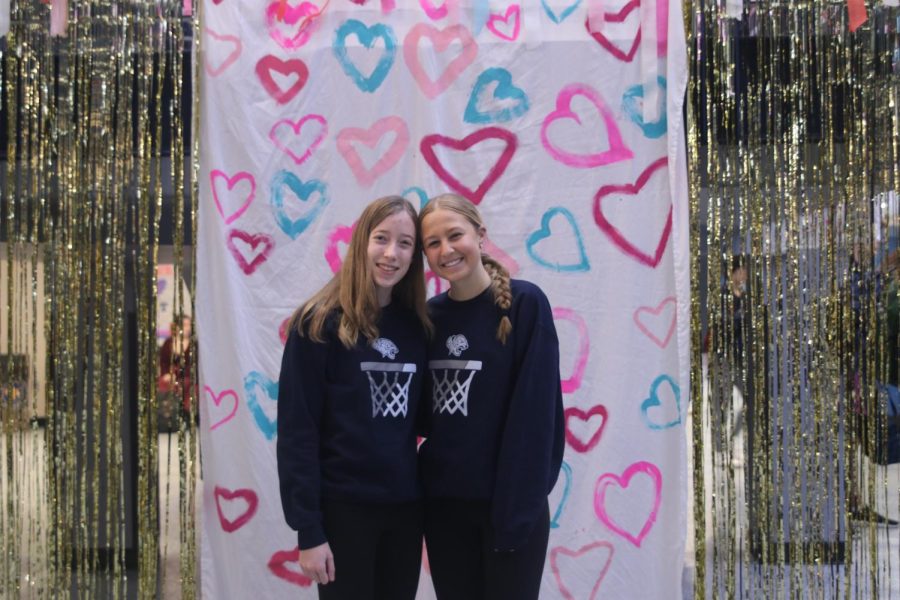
[
  {"x": 340, "y": 234},
  {"x": 589, "y": 558},
  {"x": 639, "y": 215},
  {"x": 249, "y": 249},
  {"x": 586, "y": 422},
  {"x": 226, "y": 496},
  {"x": 436, "y": 13},
  {"x": 616, "y": 149},
  {"x": 601, "y": 38},
  {"x": 506, "y": 26},
  {"x": 216, "y": 47},
  {"x": 475, "y": 196},
  {"x": 286, "y": 68},
  {"x": 240, "y": 196},
  {"x": 217, "y": 406},
  {"x": 628, "y": 505},
  {"x": 386, "y": 5},
  {"x": 370, "y": 137},
  {"x": 498, "y": 254},
  {"x": 286, "y": 565},
  {"x": 573, "y": 382},
  {"x": 297, "y": 25},
  {"x": 661, "y": 318},
  {"x": 290, "y": 137},
  {"x": 441, "y": 40},
  {"x": 283, "y": 331},
  {"x": 433, "y": 284}
]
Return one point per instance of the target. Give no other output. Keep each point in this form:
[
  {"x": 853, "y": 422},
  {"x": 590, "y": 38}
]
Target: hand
[{"x": 318, "y": 563}]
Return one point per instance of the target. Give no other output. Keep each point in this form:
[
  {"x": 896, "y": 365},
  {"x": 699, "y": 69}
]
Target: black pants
[
  {"x": 464, "y": 565},
  {"x": 377, "y": 550}
]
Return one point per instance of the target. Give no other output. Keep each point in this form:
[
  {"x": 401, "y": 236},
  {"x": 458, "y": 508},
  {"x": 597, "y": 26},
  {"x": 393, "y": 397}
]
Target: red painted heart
[
  {"x": 249, "y": 496},
  {"x": 294, "y": 66},
  {"x": 618, "y": 17},
  {"x": 475, "y": 196},
  {"x": 278, "y": 565},
  {"x": 254, "y": 240},
  {"x": 615, "y": 235},
  {"x": 578, "y": 444}
]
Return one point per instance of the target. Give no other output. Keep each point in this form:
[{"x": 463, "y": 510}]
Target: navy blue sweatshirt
[
  {"x": 346, "y": 420},
  {"x": 496, "y": 430}
]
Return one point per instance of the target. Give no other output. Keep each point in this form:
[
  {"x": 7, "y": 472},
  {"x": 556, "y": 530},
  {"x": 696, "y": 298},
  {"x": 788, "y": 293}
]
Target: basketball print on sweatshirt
[
  {"x": 452, "y": 378},
  {"x": 388, "y": 382}
]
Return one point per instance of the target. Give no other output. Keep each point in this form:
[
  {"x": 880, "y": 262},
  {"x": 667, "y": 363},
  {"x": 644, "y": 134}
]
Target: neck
[
  {"x": 384, "y": 298},
  {"x": 470, "y": 287}
]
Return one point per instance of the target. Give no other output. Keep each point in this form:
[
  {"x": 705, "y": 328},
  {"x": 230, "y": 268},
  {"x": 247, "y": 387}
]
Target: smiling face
[
  {"x": 453, "y": 248},
  {"x": 390, "y": 252}
]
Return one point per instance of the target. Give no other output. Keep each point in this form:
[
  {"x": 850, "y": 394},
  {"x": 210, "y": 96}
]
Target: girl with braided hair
[{"x": 495, "y": 439}]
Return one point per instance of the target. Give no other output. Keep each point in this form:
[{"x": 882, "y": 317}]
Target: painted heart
[
  {"x": 290, "y": 137},
  {"x": 586, "y": 425},
  {"x": 303, "y": 192},
  {"x": 240, "y": 197},
  {"x": 651, "y": 320},
  {"x": 544, "y": 233},
  {"x": 295, "y": 25},
  {"x": 228, "y": 496},
  {"x": 252, "y": 381},
  {"x": 506, "y": 26},
  {"x": 632, "y": 106},
  {"x": 498, "y": 254},
  {"x": 624, "y": 55},
  {"x": 433, "y": 284},
  {"x": 368, "y": 36},
  {"x": 561, "y": 16},
  {"x": 441, "y": 40},
  {"x": 630, "y": 505},
  {"x": 339, "y": 235},
  {"x": 588, "y": 558},
  {"x": 218, "y": 420},
  {"x": 508, "y": 101},
  {"x": 420, "y": 196},
  {"x": 371, "y": 137},
  {"x": 283, "y": 331},
  {"x": 386, "y": 5},
  {"x": 664, "y": 410},
  {"x": 615, "y": 234},
  {"x": 564, "y": 497},
  {"x": 285, "y": 564},
  {"x": 435, "y": 13},
  {"x": 216, "y": 44},
  {"x": 256, "y": 246},
  {"x": 573, "y": 382},
  {"x": 475, "y": 196},
  {"x": 286, "y": 68},
  {"x": 616, "y": 149}
]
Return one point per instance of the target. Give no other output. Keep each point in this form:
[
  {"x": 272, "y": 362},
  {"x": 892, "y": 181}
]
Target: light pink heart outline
[
  {"x": 436, "y": 13},
  {"x": 341, "y": 233},
  {"x": 662, "y": 343},
  {"x": 305, "y": 12},
  {"x": 498, "y": 254},
  {"x": 254, "y": 240},
  {"x": 297, "y": 127},
  {"x": 495, "y": 17},
  {"x": 617, "y": 151},
  {"x": 575, "y": 442},
  {"x": 217, "y": 400},
  {"x": 231, "y": 182},
  {"x": 441, "y": 38},
  {"x": 615, "y": 235},
  {"x": 608, "y": 479},
  {"x": 556, "y": 551},
  {"x": 232, "y": 56},
  {"x": 370, "y": 137},
  {"x": 573, "y": 382},
  {"x": 247, "y": 495}
]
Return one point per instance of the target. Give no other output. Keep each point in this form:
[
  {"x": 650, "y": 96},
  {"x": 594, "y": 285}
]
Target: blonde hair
[
  {"x": 498, "y": 273},
  {"x": 352, "y": 290}
]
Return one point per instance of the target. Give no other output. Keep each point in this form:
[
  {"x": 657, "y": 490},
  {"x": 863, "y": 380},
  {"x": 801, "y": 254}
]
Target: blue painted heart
[
  {"x": 253, "y": 380},
  {"x": 632, "y": 105},
  {"x": 561, "y": 16},
  {"x": 303, "y": 191},
  {"x": 581, "y": 263},
  {"x": 506, "y": 103},
  {"x": 672, "y": 406},
  {"x": 564, "y": 499},
  {"x": 367, "y": 36},
  {"x": 420, "y": 195}
]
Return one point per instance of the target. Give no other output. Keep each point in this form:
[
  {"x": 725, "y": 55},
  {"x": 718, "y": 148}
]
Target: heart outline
[
  {"x": 253, "y": 239},
  {"x": 655, "y": 129},
  {"x": 567, "y": 489},
  {"x": 268, "y": 427},
  {"x": 303, "y": 190},
  {"x": 435, "y": 14},
  {"x": 277, "y": 567},
  {"x": 475, "y": 196},
  {"x": 419, "y": 192},
  {"x": 231, "y": 182},
  {"x": 608, "y": 479},
  {"x": 367, "y": 36},
  {"x": 297, "y": 126},
  {"x": 247, "y": 494},
  {"x": 494, "y": 17},
  {"x": 544, "y": 232},
  {"x": 217, "y": 400},
  {"x": 655, "y": 311},
  {"x": 618, "y": 17},
  {"x": 232, "y": 56},
  {"x": 504, "y": 90},
  {"x": 653, "y": 400},
  {"x": 615, "y": 235},
  {"x": 440, "y": 38},
  {"x": 269, "y": 63},
  {"x": 306, "y": 12},
  {"x": 573, "y": 382},
  {"x": 563, "y": 15},
  {"x": 370, "y": 137},
  {"x": 554, "y": 567},
  {"x": 574, "y": 441},
  {"x": 341, "y": 233}
]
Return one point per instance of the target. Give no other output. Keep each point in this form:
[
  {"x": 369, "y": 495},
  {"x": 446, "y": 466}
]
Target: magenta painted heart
[
  {"x": 616, "y": 149},
  {"x": 436, "y": 13},
  {"x": 289, "y": 137},
  {"x": 340, "y": 234},
  {"x": 296, "y": 26},
  {"x": 615, "y": 235},
  {"x": 293, "y": 67},
  {"x": 593, "y": 560},
  {"x": 221, "y": 41},
  {"x": 239, "y": 197},
  {"x": 577, "y": 440},
  {"x": 253, "y": 251},
  {"x": 573, "y": 381},
  {"x": 441, "y": 40},
  {"x": 217, "y": 403},
  {"x": 347, "y": 138},
  {"x": 656, "y": 322},
  {"x": 506, "y": 26},
  {"x": 224, "y": 495},
  {"x": 285, "y": 564},
  {"x": 611, "y": 480},
  {"x": 475, "y": 196},
  {"x": 619, "y": 17}
]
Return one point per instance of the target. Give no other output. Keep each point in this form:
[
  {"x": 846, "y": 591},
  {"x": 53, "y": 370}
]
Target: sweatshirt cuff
[{"x": 310, "y": 537}]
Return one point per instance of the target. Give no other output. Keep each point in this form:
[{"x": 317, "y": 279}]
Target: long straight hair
[
  {"x": 352, "y": 290},
  {"x": 499, "y": 275}
]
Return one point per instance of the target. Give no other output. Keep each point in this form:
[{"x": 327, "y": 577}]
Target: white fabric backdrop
[{"x": 538, "y": 112}]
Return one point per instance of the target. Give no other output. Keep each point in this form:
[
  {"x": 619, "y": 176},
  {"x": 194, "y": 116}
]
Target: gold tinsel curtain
[
  {"x": 793, "y": 137},
  {"x": 96, "y": 130}
]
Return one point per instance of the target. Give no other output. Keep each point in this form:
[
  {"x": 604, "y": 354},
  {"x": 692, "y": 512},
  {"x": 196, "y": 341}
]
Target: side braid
[{"x": 502, "y": 294}]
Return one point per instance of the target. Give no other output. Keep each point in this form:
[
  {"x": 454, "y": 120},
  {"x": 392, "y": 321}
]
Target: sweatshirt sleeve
[
  {"x": 530, "y": 451},
  {"x": 301, "y": 394}
]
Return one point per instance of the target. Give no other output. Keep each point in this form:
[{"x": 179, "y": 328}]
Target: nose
[
  {"x": 446, "y": 248},
  {"x": 390, "y": 249}
]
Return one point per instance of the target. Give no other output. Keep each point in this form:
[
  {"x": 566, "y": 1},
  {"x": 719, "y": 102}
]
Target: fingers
[{"x": 329, "y": 566}]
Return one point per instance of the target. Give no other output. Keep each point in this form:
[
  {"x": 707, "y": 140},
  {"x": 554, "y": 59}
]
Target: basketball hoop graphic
[
  {"x": 389, "y": 387},
  {"x": 451, "y": 384}
]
